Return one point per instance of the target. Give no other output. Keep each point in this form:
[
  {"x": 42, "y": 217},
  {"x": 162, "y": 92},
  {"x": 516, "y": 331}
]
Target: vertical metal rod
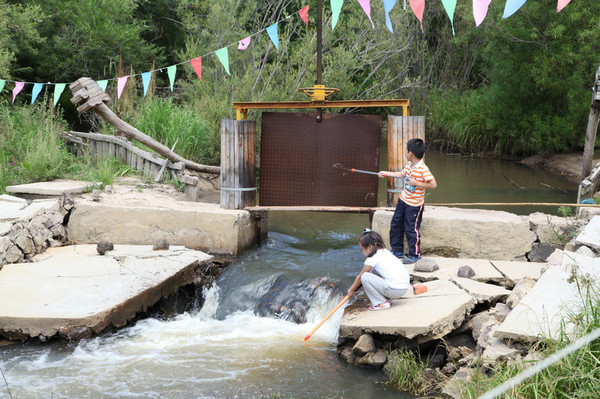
[{"x": 319, "y": 40}]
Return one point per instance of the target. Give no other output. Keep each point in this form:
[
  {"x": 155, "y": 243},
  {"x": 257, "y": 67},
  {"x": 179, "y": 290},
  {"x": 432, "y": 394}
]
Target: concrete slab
[
  {"x": 516, "y": 271},
  {"x": 74, "y": 287},
  {"x": 52, "y": 188},
  {"x": 10, "y": 207},
  {"x": 426, "y": 316},
  {"x": 554, "y": 299},
  {"x": 484, "y": 270},
  {"x": 482, "y": 292},
  {"x": 590, "y": 234}
]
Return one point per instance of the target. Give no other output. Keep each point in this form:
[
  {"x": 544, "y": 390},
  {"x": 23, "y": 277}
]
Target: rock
[
  {"x": 550, "y": 229},
  {"x": 104, "y": 246},
  {"x": 586, "y": 251},
  {"x": 521, "y": 289},
  {"x": 540, "y": 252},
  {"x": 426, "y": 265},
  {"x": 347, "y": 355},
  {"x": 161, "y": 245},
  {"x": 453, "y": 388},
  {"x": 373, "y": 359},
  {"x": 555, "y": 259},
  {"x": 486, "y": 333},
  {"x": 365, "y": 344},
  {"x": 502, "y": 310},
  {"x": 465, "y": 271}
]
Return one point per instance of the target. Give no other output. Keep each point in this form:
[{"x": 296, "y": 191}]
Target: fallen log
[{"x": 88, "y": 95}]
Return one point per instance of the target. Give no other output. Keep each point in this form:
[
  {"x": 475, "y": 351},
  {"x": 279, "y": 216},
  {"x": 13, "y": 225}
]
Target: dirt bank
[{"x": 567, "y": 165}]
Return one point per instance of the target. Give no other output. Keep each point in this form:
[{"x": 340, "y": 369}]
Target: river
[{"x": 225, "y": 350}]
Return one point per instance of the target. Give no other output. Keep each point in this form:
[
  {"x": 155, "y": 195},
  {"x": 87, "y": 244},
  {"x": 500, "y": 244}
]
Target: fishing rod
[
  {"x": 326, "y": 317},
  {"x": 340, "y": 166}
]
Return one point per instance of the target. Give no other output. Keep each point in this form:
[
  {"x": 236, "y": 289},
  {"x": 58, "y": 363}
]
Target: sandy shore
[{"x": 567, "y": 165}]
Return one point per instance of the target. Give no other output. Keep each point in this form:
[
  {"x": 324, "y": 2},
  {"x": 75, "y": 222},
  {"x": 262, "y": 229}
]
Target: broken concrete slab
[
  {"x": 516, "y": 271},
  {"x": 484, "y": 270},
  {"x": 590, "y": 234},
  {"x": 427, "y": 316},
  {"x": 14, "y": 208},
  {"x": 482, "y": 292},
  {"x": 55, "y": 188},
  {"x": 74, "y": 287},
  {"x": 556, "y": 297}
]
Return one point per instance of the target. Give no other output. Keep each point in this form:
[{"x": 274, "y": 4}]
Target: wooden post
[
  {"x": 400, "y": 130},
  {"x": 592, "y": 127},
  {"x": 238, "y": 164}
]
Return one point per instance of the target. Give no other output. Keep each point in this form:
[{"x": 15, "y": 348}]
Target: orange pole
[{"x": 326, "y": 317}]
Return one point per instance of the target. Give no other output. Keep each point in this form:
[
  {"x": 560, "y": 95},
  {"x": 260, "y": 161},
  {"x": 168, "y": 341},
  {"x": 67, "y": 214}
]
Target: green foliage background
[{"x": 511, "y": 87}]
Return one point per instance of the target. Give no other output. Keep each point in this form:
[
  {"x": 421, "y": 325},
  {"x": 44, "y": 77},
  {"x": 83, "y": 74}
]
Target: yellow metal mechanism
[{"x": 318, "y": 92}]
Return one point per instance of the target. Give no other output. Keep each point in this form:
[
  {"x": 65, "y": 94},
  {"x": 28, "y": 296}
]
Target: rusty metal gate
[{"x": 297, "y": 155}]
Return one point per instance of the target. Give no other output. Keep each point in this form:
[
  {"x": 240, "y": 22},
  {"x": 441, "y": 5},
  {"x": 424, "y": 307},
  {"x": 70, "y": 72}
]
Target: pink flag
[
  {"x": 121, "y": 82},
  {"x": 480, "y": 9},
  {"x": 366, "y": 6},
  {"x": 18, "y": 87},
  {"x": 197, "y": 65},
  {"x": 418, "y": 6},
  {"x": 244, "y": 43},
  {"x": 562, "y": 4},
  {"x": 304, "y": 14}
]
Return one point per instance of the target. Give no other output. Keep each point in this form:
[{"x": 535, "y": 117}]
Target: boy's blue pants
[{"x": 406, "y": 220}]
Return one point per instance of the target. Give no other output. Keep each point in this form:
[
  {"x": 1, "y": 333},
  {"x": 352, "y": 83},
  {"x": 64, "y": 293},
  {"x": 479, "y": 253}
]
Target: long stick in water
[{"x": 326, "y": 317}]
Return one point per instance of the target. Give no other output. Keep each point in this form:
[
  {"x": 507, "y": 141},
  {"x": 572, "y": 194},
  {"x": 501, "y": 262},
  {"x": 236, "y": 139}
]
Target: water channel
[{"x": 225, "y": 350}]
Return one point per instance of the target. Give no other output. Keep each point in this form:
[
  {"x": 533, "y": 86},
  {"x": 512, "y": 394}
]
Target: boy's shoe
[
  {"x": 381, "y": 306},
  {"x": 410, "y": 259},
  {"x": 399, "y": 255}
]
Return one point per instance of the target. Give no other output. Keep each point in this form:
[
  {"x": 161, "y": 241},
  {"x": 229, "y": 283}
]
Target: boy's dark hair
[
  {"x": 370, "y": 237},
  {"x": 417, "y": 147}
]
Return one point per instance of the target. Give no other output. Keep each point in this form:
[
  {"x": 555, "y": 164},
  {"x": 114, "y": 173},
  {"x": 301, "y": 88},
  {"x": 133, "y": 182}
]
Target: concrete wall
[{"x": 205, "y": 227}]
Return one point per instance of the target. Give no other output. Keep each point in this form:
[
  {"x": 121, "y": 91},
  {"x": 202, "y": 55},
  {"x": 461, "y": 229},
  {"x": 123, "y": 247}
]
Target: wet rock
[
  {"x": 104, "y": 246},
  {"x": 75, "y": 333},
  {"x": 161, "y": 245},
  {"x": 466, "y": 271},
  {"x": 426, "y": 265},
  {"x": 289, "y": 300},
  {"x": 364, "y": 345},
  {"x": 373, "y": 359},
  {"x": 347, "y": 355}
]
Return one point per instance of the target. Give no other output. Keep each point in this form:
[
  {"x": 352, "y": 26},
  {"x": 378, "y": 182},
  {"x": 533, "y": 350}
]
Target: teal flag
[
  {"x": 103, "y": 84},
  {"x": 512, "y": 6},
  {"x": 2, "y": 83},
  {"x": 450, "y": 6},
  {"x": 272, "y": 31},
  {"x": 58, "y": 89},
  {"x": 146, "y": 81},
  {"x": 171, "y": 72},
  {"x": 387, "y": 6},
  {"x": 336, "y": 8},
  {"x": 223, "y": 55},
  {"x": 37, "y": 88}
]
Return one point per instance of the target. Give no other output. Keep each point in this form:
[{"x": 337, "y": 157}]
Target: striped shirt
[{"x": 412, "y": 195}]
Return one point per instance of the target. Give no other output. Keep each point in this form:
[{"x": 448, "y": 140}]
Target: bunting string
[{"x": 480, "y": 9}]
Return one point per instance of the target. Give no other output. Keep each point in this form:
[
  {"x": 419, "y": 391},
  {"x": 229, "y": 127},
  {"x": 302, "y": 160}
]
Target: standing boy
[{"x": 409, "y": 210}]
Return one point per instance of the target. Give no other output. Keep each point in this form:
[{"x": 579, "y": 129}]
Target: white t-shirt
[{"x": 390, "y": 268}]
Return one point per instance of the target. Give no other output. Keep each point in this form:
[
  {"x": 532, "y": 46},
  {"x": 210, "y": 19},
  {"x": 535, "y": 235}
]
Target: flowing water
[{"x": 224, "y": 349}]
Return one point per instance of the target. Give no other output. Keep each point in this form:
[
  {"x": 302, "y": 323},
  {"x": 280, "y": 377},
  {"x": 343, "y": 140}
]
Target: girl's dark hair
[{"x": 370, "y": 237}]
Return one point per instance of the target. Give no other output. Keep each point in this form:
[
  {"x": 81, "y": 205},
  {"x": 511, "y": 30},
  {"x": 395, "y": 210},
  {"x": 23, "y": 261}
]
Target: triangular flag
[
  {"x": 387, "y": 6},
  {"x": 304, "y": 14},
  {"x": 366, "y": 6},
  {"x": 121, "y": 82},
  {"x": 146, "y": 81},
  {"x": 197, "y": 65},
  {"x": 244, "y": 43},
  {"x": 2, "y": 83},
  {"x": 562, "y": 4},
  {"x": 272, "y": 31},
  {"x": 512, "y": 6},
  {"x": 418, "y": 6},
  {"x": 480, "y": 9},
  {"x": 35, "y": 92},
  {"x": 171, "y": 72},
  {"x": 58, "y": 89},
  {"x": 18, "y": 87},
  {"x": 223, "y": 55},
  {"x": 450, "y": 6},
  {"x": 103, "y": 84},
  {"x": 336, "y": 8}
]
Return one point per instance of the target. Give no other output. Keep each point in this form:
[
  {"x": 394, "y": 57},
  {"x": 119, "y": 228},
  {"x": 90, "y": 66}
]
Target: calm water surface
[{"x": 224, "y": 350}]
